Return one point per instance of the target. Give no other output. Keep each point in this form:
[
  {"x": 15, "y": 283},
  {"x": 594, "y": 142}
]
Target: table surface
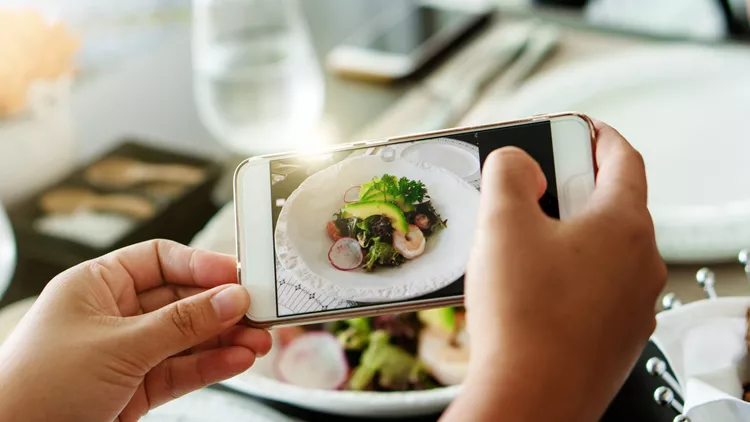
[{"x": 162, "y": 108}]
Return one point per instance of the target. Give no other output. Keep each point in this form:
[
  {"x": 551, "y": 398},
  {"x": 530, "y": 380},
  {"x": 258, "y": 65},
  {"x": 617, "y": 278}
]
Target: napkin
[{"x": 704, "y": 343}]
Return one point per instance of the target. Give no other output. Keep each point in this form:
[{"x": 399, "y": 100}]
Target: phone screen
[
  {"x": 394, "y": 223},
  {"x": 413, "y": 28}
]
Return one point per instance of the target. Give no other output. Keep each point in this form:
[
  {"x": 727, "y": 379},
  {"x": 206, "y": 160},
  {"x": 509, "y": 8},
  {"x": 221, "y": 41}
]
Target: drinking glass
[{"x": 257, "y": 83}]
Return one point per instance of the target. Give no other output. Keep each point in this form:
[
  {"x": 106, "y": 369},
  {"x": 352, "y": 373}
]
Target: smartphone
[
  {"x": 385, "y": 227},
  {"x": 401, "y": 40}
]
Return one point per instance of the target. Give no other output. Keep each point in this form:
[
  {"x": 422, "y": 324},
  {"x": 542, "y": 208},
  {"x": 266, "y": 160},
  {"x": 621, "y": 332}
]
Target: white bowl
[{"x": 302, "y": 244}]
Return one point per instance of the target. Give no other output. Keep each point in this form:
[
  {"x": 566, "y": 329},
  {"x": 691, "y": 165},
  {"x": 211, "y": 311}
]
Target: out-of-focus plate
[
  {"x": 685, "y": 108},
  {"x": 302, "y": 244},
  {"x": 260, "y": 381},
  {"x": 455, "y": 156}
]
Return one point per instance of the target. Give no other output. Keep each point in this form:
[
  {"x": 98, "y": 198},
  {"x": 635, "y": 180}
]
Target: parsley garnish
[{"x": 412, "y": 191}]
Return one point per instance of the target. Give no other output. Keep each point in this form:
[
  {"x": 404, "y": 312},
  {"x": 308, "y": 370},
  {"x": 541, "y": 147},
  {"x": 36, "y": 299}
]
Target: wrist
[{"x": 535, "y": 383}]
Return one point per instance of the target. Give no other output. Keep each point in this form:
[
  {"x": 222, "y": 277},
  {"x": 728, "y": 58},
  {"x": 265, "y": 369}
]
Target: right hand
[{"x": 562, "y": 308}]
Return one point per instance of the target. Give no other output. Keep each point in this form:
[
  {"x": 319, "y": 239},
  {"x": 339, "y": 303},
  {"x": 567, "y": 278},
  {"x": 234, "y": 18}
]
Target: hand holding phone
[
  {"x": 559, "y": 301},
  {"x": 385, "y": 227}
]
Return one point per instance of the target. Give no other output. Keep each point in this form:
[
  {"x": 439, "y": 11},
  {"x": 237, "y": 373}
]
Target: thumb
[
  {"x": 191, "y": 321},
  {"x": 512, "y": 182}
]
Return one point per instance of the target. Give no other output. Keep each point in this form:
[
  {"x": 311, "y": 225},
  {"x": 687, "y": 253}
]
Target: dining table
[{"x": 107, "y": 105}]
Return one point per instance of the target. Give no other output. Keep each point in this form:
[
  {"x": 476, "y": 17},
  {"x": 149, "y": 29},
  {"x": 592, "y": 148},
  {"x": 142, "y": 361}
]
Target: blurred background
[{"x": 122, "y": 121}]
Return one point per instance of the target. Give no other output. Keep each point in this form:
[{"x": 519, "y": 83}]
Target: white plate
[
  {"x": 302, "y": 244},
  {"x": 7, "y": 252},
  {"x": 686, "y": 110},
  {"x": 218, "y": 236},
  {"x": 259, "y": 381}
]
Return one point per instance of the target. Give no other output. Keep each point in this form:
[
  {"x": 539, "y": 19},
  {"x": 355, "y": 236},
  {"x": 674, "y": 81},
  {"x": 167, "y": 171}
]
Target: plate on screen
[
  {"x": 455, "y": 156},
  {"x": 685, "y": 109}
]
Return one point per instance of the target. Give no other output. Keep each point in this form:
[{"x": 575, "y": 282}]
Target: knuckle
[
  {"x": 169, "y": 379},
  {"x": 660, "y": 276},
  {"x": 186, "y": 318},
  {"x": 637, "y": 158}
]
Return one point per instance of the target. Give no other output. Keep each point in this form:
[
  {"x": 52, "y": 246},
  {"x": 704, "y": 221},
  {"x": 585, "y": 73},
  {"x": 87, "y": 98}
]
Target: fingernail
[{"x": 230, "y": 302}]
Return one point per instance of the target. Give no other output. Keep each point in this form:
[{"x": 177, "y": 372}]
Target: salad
[
  {"x": 384, "y": 222},
  {"x": 403, "y": 352}
]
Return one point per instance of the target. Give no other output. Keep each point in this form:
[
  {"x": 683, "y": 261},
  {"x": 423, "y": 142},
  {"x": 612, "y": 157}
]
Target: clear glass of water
[{"x": 258, "y": 85}]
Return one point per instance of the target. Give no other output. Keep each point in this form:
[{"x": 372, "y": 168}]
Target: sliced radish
[
  {"x": 346, "y": 254},
  {"x": 313, "y": 360},
  {"x": 352, "y": 194}
]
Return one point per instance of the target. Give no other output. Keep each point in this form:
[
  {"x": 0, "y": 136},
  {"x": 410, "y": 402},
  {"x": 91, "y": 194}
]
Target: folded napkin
[{"x": 704, "y": 343}]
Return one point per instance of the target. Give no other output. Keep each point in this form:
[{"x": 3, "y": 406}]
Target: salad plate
[
  {"x": 261, "y": 380},
  {"x": 304, "y": 247}
]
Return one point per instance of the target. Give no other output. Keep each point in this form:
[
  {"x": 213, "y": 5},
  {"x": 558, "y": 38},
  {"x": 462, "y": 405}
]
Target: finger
[
  {"x": 513, "y": 182},
  {"x": 259, "y": 341},
  {"x": 161, "y": 296},
  {"x": 178, "y": 376},
  {"x": 188, "y": 322},
  {"x": 621, "y": 178},
  {"x": 153, "y": 263}
]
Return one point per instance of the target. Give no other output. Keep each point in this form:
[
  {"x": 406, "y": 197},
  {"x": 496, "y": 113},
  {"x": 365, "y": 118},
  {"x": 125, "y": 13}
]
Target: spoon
[
  {"x": 70, "y": 200},
  {"x": 707, "y": 280},
  {"x": 664, "y": 396},
  {"x": 744, "y": 258},
  {"x": 670, "y": 301},
  {"x": 126, "y": 172},
  {"x": 658, "y": 368}
]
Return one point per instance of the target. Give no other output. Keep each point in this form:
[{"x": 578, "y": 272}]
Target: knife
[{"x": 453, "y": 88}]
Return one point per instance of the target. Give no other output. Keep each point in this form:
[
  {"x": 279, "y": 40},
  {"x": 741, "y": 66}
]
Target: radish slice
[
  {"x": 313, "y": 360},
  {"x": 352, "y": 194},
  {"x": 346, "y": 254}
]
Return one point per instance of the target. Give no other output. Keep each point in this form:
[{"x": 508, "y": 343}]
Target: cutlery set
[
  {"x": 495, "y": 64},
  {"x": 671, "y": 394}
]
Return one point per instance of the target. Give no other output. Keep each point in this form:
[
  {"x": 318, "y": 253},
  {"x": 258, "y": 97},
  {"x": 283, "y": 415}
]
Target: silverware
[
  {"x": 445, "y": 97},
  {"x": 707, "y": 280},
  {"x": 542, "y": 43},
  {"x": 670, "y": 301},
  {"x": 461, "y": 89},
  {"x": 664, "y": 396},
  {"x": 744, "y": 258},
  {"x": 658, "y": 368}
]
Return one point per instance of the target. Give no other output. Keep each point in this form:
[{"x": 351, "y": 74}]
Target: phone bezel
[{"x": 385, "y": 308}]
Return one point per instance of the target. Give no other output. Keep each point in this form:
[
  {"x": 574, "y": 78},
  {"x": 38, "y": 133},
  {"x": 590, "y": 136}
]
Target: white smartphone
[
  {"x": 400, "y": 40},
  {"x": 385, "y": 227}
]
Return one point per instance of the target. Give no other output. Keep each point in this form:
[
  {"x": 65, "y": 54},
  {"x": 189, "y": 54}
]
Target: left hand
[{"x": 114, "y": 337}]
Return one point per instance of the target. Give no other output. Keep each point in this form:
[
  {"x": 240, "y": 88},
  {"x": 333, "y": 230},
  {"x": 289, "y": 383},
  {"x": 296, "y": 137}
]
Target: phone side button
[{"x": 239, "y": 272}]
